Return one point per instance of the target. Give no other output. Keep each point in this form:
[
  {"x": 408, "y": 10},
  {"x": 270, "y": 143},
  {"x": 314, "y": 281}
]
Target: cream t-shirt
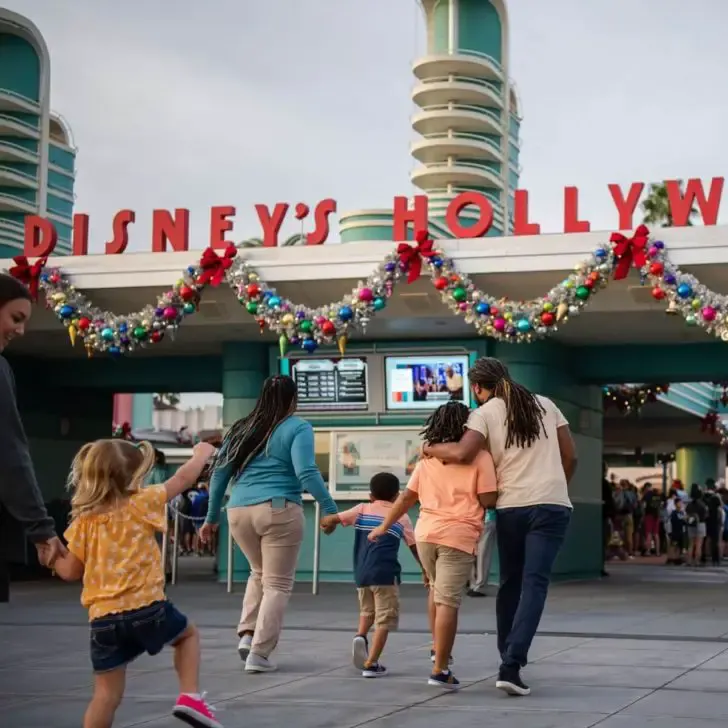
[{"x": 528, "y": 476}]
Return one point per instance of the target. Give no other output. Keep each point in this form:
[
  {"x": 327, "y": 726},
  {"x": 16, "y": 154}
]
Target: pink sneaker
[{"x": 195, "y": 711}]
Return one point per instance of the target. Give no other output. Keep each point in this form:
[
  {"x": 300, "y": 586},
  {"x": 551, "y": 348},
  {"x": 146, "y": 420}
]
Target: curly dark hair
[{"x": 446, "y": 423}]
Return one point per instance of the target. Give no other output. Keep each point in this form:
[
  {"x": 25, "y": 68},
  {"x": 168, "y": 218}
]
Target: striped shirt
[{"x": 376, "y": 563}]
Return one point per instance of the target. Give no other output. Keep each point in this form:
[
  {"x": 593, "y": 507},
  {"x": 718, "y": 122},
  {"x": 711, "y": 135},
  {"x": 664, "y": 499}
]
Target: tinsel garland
[
  {"x": 308, "y": 328},
  {"x": 630, "y": 399}
]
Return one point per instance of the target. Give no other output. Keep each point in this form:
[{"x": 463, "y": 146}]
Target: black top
[{"x": 21, "y": 504}]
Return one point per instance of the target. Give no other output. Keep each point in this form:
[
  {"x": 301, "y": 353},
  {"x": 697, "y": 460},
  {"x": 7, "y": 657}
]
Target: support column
[
  {"x": 245, "y": 366},
  {"x": 697, "y": 463},
  {"x": 545, "y": 368}
]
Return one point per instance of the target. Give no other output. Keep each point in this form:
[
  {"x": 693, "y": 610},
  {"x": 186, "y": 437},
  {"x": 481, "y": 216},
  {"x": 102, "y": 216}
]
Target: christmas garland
[
  {"x": 630, "y": 399},
  {"x": 308, "y": 328}
]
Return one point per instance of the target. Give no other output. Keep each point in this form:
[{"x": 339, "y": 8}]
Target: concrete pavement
[{"x": 647, "y": 647}]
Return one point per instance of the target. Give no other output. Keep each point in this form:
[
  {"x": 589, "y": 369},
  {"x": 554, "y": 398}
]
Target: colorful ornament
[{"x": 341, "y": 342}]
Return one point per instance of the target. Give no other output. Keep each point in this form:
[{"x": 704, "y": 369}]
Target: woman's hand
[
  {"x": 328, "y": 524},
  {"x": 376, "y": 533},
  {"x": 203, "y": 450},
  {"x": 423, "y": 450},
  {"x": 425, "y": 579},
  {"x": 207, "y": 531}
]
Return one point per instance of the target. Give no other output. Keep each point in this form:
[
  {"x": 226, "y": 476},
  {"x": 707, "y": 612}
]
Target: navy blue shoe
[{"x": 445, "y": 680}]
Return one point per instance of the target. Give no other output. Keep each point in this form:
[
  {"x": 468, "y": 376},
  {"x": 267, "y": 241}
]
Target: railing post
[
  {"x": 165, "y": 543},
  {"x": 175, "y": 551},
  {"x": 316, "y": 549},
  {"x": 230, "y": 559}
]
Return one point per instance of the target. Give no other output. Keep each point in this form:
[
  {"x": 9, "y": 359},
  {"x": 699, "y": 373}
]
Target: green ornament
[
  {"x": 548, "y": 306},
  {"x": 305, "y": 326},
  {"x": 283, "y": 344},
  {"x": 140, "y": 332},
  {"x": 459, "y": 294},
  {"x": 695, "y": 303},
  {"x": 379, "y": 304},
  {"x": 189, "y": 308},
  {"x": 690, "y": 320},
  {"x": 582, "y": 292},
  {"x": 252, "y": 307}
]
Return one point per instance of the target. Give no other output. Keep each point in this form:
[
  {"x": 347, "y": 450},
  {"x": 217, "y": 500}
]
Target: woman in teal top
[{"x": 269, "y": 459}]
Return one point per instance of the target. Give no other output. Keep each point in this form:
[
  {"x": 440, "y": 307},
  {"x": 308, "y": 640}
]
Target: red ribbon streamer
[
  {"x": 630, "y": 251},
  {"x": 214, "y": 266},
  {"x": 411, "y": 256},
  {"x": 27, "y": 273}
]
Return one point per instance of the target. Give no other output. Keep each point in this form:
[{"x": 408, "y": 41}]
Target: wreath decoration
[{"x": 308, "y": 328}]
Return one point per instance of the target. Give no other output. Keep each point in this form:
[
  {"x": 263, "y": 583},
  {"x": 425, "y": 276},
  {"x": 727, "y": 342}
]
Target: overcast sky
[{"x": 288, "y": 100}]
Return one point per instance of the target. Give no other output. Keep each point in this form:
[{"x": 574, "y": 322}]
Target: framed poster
[{"x": 359, "y": 453}]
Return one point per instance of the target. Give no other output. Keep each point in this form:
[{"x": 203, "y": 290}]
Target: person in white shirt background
[{"x": 535, "y": 458}]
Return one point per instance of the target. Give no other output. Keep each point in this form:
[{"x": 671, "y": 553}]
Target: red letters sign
[{"x": 170, "y": 230}]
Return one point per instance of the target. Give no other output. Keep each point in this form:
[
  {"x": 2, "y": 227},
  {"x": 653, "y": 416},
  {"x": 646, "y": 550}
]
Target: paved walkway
[{"x": 586, "y": 669}]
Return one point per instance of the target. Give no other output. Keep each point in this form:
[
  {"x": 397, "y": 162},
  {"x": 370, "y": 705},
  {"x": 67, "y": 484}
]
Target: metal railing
[
  {"x": 20, "y": 122},
  {"x": 6, "y": 144},
  {"x": 464, "y": 107},
  {"x": 19, "y": 96},
  {"x": 444, "y": 136},
  {"x": 17, "y": 173},
  {"x": 490, "y": 85}
]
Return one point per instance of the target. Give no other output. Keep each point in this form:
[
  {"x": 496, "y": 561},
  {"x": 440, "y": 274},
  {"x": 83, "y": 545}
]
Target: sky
[
  {"x": 236, "y": 102},
  {"x": 240, "y": 103}
]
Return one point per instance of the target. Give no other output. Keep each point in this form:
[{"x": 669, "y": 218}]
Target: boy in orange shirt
[{"x": 452, "y": 501}]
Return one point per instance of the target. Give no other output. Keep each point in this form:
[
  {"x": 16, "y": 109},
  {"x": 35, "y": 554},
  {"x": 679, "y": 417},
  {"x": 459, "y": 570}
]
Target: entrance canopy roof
[{"x": 514, "y": 267}]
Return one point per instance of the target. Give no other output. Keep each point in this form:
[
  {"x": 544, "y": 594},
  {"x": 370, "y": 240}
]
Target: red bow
[
  {"x": 709, "y": 422},
  {"x": 629, "y": 251},
  {"x": 123, "y": 431},
  {"x": 27, "y": 273},
  {"x": 214, "y": 266},
  {"x": 411, "y": 256}
]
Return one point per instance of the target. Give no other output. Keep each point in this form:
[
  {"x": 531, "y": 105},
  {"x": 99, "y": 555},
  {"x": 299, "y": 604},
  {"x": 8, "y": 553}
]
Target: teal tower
[
  {"x": 467, "y": 121},
  {"x": 37, "y": 153}
]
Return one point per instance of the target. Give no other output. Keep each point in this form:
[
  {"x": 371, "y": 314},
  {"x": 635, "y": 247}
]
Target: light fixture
[{"x": 672, "y": 309}]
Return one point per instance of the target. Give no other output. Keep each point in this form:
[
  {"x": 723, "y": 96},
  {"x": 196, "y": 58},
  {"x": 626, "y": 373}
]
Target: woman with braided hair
[
  {"x": 535, "y": 458},
  {"x": 268, "y": 457}
]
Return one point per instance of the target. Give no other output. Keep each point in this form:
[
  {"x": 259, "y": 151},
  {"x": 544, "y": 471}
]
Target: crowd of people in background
[{"x": 687, "y": 527}]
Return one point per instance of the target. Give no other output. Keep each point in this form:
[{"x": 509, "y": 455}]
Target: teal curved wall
[
  {"x": 697, "y": 463},
  {"x": 479, "y": 28},
  {"x": 19, "y": 66},
  {"x": 440, "y": 25}
]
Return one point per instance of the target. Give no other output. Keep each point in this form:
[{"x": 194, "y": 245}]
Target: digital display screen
[
  {"x": 331, "y": 384},
  {"x": 426, "y": 382}
]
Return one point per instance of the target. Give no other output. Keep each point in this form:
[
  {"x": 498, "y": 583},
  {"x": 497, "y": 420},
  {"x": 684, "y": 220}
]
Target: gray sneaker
[
  {"x": 258, "y": 663},
  {"x": 246, "y": 642}
]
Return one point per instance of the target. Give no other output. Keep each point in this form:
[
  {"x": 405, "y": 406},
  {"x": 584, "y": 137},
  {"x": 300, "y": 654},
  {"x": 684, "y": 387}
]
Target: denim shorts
[{"x": 118, "y": 639}]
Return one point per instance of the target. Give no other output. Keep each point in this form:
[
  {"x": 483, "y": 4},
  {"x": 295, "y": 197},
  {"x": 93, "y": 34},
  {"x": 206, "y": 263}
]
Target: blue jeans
[
  {"x": 118, "y": 639},
  {"x": 528, "y": 541}
]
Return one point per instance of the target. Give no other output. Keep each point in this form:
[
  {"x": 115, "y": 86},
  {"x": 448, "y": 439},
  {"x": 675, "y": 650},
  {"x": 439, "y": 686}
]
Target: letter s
[{"x": 321, "y": 217}]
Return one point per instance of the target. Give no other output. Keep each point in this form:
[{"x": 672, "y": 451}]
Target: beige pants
[
  {"x": 448, "y": 570},
  {"x": 270, "y": 538}
]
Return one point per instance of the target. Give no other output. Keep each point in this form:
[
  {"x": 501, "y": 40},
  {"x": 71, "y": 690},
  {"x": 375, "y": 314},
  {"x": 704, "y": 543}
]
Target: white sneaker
[
  {"x": 258, "y": 663},
  {"x": 244, "y": 646},
  {"x": 359, "y": 651}
]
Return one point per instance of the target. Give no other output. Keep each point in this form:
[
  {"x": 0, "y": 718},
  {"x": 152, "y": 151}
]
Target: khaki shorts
[
  {"x": 448, "y": 570},
  {"x": 382, "y": 603}
]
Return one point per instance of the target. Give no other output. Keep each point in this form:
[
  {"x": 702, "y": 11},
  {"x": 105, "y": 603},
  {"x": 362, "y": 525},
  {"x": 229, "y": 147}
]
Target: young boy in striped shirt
[{"x": 377, "y": 570}]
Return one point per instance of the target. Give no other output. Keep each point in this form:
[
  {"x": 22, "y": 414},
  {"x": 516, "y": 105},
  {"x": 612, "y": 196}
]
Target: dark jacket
[{"x": 22, "y": 512}]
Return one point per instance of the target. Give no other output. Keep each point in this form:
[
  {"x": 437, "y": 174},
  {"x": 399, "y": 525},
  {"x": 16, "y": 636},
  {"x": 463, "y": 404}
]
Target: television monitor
[
  {"x": 426, "y": 382},
  {"x": 334, "y": 384}
]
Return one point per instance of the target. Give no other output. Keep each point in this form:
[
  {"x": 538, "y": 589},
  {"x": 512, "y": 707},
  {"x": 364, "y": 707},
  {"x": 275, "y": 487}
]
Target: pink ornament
[
  {"x": 365, "y": 294},
  {"x": 170, "y": 313},
  {"x": 708, "y": 313},
  {"x": 499, "y": 324},
  {"x": 463, "y": 306},
  {"x": 653, "y": 251}
]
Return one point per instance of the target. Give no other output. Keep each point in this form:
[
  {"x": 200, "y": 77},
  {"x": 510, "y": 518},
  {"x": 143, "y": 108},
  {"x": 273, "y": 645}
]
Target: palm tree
[
  {"x": 656, "y": 207},
  {"x": 170, "y": 399},
  {"x": 297, "y": 239}
]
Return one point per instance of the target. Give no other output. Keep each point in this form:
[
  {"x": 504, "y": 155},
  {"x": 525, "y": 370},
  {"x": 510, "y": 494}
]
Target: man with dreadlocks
[{"x": 535, "y": 457}]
